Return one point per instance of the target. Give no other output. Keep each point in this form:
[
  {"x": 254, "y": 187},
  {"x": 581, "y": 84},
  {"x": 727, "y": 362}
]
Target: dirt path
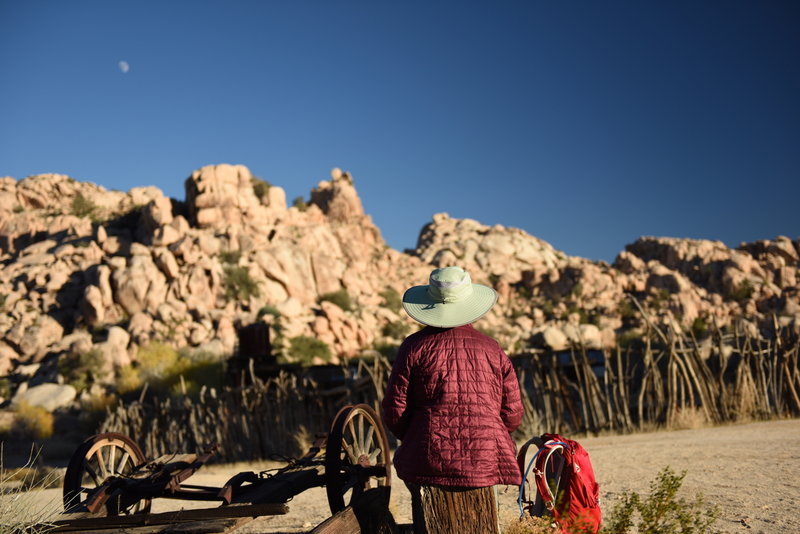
[{"x": 748, "y": 470}]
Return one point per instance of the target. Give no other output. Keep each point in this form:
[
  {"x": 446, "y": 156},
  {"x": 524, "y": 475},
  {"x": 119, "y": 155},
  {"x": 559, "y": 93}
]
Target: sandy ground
[{"x": 749, "y": 470}]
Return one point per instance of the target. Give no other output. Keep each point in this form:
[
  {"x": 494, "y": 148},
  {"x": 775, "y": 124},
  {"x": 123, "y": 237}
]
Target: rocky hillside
[{"x": 83, "y": 269}]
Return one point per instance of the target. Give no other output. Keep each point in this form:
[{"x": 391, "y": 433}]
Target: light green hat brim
[{"x": 419, "y": 304}]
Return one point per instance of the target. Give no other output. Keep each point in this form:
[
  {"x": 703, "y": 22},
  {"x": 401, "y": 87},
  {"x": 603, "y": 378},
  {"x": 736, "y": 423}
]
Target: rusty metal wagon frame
[{"x": 110, "y": 485}]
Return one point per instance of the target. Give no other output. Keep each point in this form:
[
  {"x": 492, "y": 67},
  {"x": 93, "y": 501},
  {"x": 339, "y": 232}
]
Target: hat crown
[{"x": 449, "y": 284}]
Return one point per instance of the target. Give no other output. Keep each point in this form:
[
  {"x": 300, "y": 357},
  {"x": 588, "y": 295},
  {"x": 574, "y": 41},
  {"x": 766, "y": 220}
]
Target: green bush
[
  {"x": 699, "y": 327},
  {"x": 260, "y": 187},
  {"x": 83, "y": 369},
  {"x": 230, "y": 256},
  {"x": 396, "y": 329},
  {"x": 268, "y": 310},
  {"x": 341, "y": 298},
  {"x": 83, "y": 207},
  {"x": 168, "y": 370},
  {"x": 305, "y": 349},
  {"x": 5, "y": 387},
  {"x": 742, "y": 292},
  {"x": 300, "y": 203},
  {"x": 391, "y": 299},
  {"x": 661, "y": 512},
  {"x": 239, "y": 284},
  {"x": 388, "y": 350}
]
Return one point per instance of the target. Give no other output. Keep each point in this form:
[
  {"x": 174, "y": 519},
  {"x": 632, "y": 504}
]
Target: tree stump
[{"x": 443, "y": 510}]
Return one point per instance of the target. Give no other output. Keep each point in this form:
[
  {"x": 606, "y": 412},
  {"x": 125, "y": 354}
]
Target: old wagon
[{"x": 109, "y": 485}]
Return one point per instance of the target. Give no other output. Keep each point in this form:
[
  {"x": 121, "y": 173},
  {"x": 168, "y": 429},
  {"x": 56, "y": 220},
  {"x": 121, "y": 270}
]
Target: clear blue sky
[{"x": 586, "y": 124}]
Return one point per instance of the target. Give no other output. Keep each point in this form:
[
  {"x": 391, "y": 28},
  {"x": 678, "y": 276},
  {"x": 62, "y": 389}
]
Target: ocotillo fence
[{"x": 663, "y": 380}]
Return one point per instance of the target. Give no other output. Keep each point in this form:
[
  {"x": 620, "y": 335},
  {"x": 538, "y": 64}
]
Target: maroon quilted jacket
[{"x": 453, "y": 398}]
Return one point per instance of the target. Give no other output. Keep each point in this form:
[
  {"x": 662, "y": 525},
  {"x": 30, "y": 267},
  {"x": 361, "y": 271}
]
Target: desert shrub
[
  {"x": 699, "y": 327},
  {"x": 155, "y": 361},
  {"x": 231, "y": 257},
  {"x": 742, "y": 292},
  {"x": 260, "y": 186},
  {"x": 523, "y": 290},
  {"x": 177, "y": 372},
  {"x": 268, "y": 310},
  {"x": 548, "y": 308},
  {"x": 18, "y": 208},
  {"x": 388, "y": 350},
  {"x": 300, "y": 203},
  {"x": 530, "y": 525},
  {"x": 83, "y": 207},
  {"x": 341, "y": 298},
  {"x": 662, "y": 512},
  {"x": 128, "y": 379},
  {"x": 239, "y": 284},
  {"x": 196, "y": 369},
  {"x": 626, "y": 310},
  {"x": 391, "y": 299},
  {"x": 630, "y": 338},
  {"x": 5, "y": 387},
  {"x": 32, "y": 422},
  {"x": 305, "y": 349},
  {"x": 396, "y": 329},
  {"x": 2, "y": 301},
  {"x": 83, "y": 369}
]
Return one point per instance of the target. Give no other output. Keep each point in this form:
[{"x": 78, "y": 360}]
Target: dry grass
[
  {"x": 688, "y": 418},
  {"x": 21, "y": 510},
  {"x": 531, "y": 525}
]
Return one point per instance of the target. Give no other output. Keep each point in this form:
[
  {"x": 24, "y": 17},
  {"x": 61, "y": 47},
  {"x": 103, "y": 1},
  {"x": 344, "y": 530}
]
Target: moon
[{"x": 124, "y": 67}]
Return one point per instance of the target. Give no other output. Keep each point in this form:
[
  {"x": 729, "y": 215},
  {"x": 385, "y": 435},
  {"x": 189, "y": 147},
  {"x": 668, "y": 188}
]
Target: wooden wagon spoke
[
  {"x": 101, "y": 462},
  {"x": 112, "y": 456},
  {"x": 368, "y": 439},
  {"x": 373, "y": 456},
  {"x": 92, "y": 473},
  {"x": 352, "y": 429},
  {"x": 362, "y": 445},
  {"x": 123, "y": 463},
  {"x": 352, "y": 454}
]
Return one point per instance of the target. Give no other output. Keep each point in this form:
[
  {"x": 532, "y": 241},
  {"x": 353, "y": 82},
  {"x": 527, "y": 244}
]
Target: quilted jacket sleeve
[
  {"x": 396, "y": 410},
  {"x": 511, "y": 408}
]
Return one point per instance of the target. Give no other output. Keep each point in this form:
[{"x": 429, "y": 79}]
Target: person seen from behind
[{"x": 453, "y": 399}]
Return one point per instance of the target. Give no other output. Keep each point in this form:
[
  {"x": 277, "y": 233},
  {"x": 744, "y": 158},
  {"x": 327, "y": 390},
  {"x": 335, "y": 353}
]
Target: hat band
[{"x": 446, "y": 292}]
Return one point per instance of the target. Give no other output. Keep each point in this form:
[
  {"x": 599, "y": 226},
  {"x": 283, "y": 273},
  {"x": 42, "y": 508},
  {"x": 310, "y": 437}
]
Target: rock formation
[{"x": 85, "y": 269}]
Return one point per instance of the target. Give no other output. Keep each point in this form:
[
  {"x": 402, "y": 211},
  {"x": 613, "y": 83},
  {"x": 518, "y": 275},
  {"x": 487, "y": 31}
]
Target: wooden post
[{"x": 464, "y": 510}]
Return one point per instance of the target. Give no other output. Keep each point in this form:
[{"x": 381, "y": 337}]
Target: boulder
[
  {"x": 44, "y": 332},
  {"x": 49, "y": 396}
]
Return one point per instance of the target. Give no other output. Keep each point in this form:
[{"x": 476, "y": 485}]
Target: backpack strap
[
  {"x": 524, "y": 501},
  {"x": 542, "y": 459}
]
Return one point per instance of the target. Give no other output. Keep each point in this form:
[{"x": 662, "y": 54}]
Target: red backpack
[{"x": 575, "y": 506}]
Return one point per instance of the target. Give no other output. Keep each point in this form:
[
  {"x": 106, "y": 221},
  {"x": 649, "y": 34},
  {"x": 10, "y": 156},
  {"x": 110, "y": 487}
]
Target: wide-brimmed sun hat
[{"x": 450, "y": 299}]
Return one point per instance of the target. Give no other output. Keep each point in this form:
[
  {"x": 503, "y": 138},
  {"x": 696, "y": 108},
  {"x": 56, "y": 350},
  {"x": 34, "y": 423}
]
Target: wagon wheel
[
  {"x": 96, "y": 459},
  {"x": 356, "y": 456}
]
